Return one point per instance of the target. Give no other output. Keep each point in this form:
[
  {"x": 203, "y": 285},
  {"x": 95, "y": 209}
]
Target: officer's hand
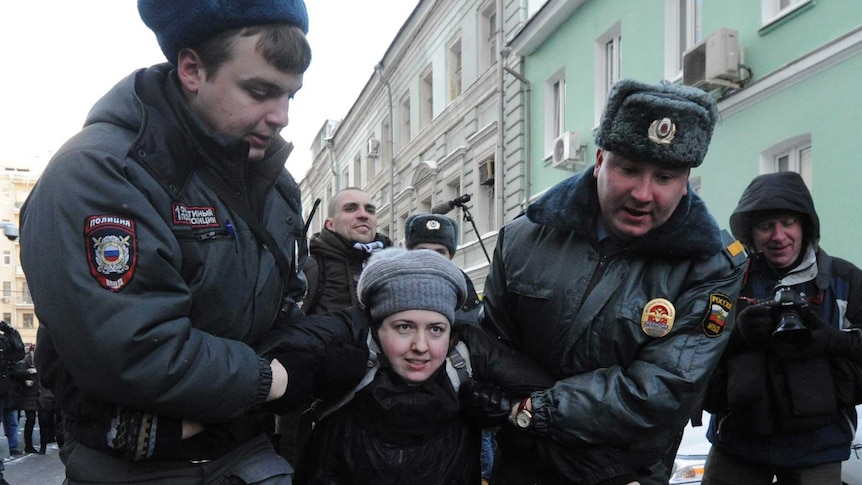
[
  {"x": 342, "y": 366},
  {"x": 484, "y": 403},
  {"x": 31, "y": 370},
  {"x": 755, "y": 325},
  {"x": 28, "y": 383}
]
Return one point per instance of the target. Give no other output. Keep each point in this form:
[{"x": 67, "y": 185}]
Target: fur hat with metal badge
[
  {"x": 188, "y": 23},
  {"x": 431, "y": 228},
  {"x": 664, "y": 123}
]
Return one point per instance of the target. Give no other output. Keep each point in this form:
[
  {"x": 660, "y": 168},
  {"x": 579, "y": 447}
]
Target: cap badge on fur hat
[
  {"x": 662, "y": 131},
  {"x": 432, "y": 225}
]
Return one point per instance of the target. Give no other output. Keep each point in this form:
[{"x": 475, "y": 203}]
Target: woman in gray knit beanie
[
  {"x": 406, "y": 423},
  {"x": 411, "y": 297}
]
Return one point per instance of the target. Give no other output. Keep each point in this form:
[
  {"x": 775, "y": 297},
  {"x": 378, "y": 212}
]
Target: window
[
  {"x": 683, "y": 30},
  {"x": 25, "y": 293},
  {"x": 453, "y": 68},
  {"x": 405, "y": 118},
  {"x": 426, "y": 98},
  {"x": 385, "y": 142},
  {"x": 7, "y": 258},
  {"x": 555, "y": 108},
  {"x": 608, "y": 60},
  {"x": 792, "y": 155},
  {"x": 357, "y": 171},
  {"x": 487, "y": 37},
  {"x": 28, "y": 320},
  {"x": 773, "y": 10},
  {"x": 7, "y": 317},
  {"x": 7, "y": 289}
]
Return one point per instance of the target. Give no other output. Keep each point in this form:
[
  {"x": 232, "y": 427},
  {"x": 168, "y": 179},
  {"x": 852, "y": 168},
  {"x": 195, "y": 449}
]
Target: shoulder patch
[
  {"x": 716, "y": 315},
  {"x": 735, "y": 248},
  {"x": 111, "y": 250}
]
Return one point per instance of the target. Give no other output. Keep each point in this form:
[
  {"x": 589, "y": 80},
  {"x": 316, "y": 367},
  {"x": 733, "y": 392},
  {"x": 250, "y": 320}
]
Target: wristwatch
[{"x": 523, "y": 417}]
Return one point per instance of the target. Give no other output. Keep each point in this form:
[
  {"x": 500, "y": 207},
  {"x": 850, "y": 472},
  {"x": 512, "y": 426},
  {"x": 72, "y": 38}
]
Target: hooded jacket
[
  {"x": 777, "y": 412},
  {"x": 584, "y": 317},
  {"x": 151, "y": 291}
]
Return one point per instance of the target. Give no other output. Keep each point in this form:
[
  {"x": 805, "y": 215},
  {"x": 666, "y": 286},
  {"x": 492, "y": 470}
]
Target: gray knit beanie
[{"x": 396, "y": 280}]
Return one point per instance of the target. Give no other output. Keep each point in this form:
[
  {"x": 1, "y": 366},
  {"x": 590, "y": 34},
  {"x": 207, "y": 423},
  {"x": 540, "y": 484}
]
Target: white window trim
[
  {"x": 672, "y": 49},
  {"x": 551, "y": 109},
  {"x": 771, "y": 12},
  {"x": 602, "y": 84},
  {"x": 792, "y": 147}
]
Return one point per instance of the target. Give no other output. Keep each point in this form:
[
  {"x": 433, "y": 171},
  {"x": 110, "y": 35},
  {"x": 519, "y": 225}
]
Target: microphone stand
[{"x": 469, "y": 217}]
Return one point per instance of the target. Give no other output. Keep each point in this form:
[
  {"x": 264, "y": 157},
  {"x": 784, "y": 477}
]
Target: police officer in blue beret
[{"x": 163, "y": 243}]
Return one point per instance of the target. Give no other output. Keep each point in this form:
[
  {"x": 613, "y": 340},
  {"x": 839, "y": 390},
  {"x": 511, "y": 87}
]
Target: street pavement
[{"x": 35, "y": 469}]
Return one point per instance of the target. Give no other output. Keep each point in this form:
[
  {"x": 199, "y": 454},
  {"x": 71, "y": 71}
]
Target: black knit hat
[
  {"x": 188, "y": 23},
  {"x": 431, "y": 228},
  {"x": 664, "y": 123},
  {"x": 396, "y": 280}
]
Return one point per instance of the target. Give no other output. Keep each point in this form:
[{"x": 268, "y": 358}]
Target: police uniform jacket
[
  {"x": 150, "y": 290},
  {"x": 631, "y": 338}
]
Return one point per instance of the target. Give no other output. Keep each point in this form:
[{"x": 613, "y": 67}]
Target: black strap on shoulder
[
  {"x": 316, "y": 279},
  {"x": 229, "y": 197}
]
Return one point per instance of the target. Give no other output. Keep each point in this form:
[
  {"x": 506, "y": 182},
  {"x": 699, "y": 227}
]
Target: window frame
[{"x": 607, "y": 73}]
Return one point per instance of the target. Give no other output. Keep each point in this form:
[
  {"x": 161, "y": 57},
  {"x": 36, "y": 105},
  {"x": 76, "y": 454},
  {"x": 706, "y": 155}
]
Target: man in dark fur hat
[{"x": 620, "y": 283}]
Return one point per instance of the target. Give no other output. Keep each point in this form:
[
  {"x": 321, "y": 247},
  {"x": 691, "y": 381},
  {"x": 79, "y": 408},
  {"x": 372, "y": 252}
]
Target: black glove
[
  {"x": 301, "y": 367},
  {"x": 756, "y": 325},
  {"x": 342, "y": 366},
  {"x": 829, "y": 341},
  {"x": 484, "y": 404}
]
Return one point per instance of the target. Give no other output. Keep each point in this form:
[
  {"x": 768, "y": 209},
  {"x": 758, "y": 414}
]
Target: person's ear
[
  {"x": 600, "y": 158},
  {"x": 190, "y": 70},
  {"x": 328, "y": 224}
]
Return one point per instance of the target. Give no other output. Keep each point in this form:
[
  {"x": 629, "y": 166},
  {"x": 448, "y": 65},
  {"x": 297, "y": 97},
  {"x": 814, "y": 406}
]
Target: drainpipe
[
  {"x": 499, "y": 183},
  {"x": 378, "y": 68},
  {"x": 333, "y": 167},
  {"x": 526, "y": 93}
]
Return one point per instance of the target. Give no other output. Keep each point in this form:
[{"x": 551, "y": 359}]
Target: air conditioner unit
[
  {"x": 713, "y": 62},
  {"x": 5, "y": 299},
  {"x": 486, "y": 172},
  {"x": 373, "y": 148},
  {"x": 568, "y": 153}
]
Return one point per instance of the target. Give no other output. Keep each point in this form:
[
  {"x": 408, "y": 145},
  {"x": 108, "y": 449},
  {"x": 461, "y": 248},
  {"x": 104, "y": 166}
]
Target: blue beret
[
  {"x": 663, "y": 123},
  {"x": 188, "y": 23}
]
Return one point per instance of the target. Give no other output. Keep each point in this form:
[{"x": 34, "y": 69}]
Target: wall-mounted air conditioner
[
  {"x": 373, "y": 148},
  {"x": 568, "y": 153},
  {"x": 486, "y": 172},
  {"x": 715, "y": 61}
]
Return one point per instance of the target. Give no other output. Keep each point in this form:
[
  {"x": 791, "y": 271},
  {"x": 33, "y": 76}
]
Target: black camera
[{"x": 791, "y": 333}]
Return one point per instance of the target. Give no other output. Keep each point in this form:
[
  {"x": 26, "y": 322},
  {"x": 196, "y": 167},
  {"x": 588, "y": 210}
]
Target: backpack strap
[
  {"x": 315, "y": 275},
  {"x": 372, "y": 367},
  {"x": 458, "y": 366}
]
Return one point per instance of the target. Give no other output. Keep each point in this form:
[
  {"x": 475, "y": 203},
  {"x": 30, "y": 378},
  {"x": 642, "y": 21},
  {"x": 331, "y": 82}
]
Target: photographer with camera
[{"x": 783, "y": 395}]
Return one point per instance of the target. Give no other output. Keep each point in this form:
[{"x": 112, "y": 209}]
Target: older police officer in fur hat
[
  {"x": 620, "y": 282},
  {"x": 159, "y": 247}
]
